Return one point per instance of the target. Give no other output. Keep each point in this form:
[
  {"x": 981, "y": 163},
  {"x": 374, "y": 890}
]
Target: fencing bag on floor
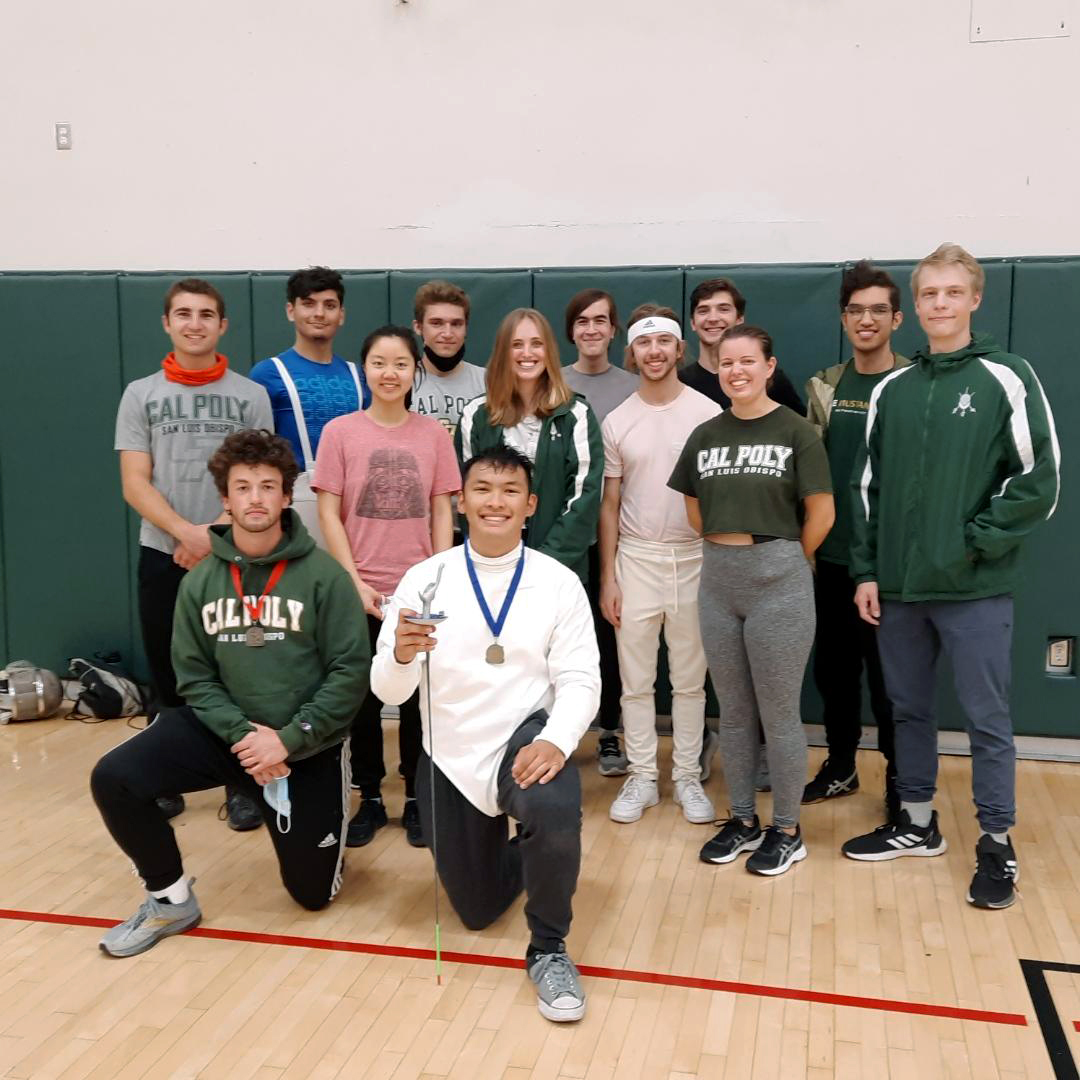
[{"x": 101, "y": 691}]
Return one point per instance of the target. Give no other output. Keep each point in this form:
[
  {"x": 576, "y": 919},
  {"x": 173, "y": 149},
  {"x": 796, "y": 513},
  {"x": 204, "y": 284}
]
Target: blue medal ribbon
[{"x": 495, "y": 625}]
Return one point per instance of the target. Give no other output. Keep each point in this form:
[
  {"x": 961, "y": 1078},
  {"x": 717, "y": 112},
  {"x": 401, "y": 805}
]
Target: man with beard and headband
[
  {"x": 271, "y": 657},
  {"x": 650, "y": 559},
  {"x": 310, "y": 384},
  {"x": 441, "y": 319}
]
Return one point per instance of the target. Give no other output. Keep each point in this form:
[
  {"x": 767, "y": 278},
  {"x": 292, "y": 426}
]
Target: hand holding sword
[{"x": 413, "y": 633}]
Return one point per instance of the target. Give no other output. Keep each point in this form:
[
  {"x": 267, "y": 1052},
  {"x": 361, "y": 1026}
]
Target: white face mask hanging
[{"x": 276, "y": 794}]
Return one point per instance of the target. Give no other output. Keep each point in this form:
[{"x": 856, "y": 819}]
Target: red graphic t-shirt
[{"x": 386, "y": 478}]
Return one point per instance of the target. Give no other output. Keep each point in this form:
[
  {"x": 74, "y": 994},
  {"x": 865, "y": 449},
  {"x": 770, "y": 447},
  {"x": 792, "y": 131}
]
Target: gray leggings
[{"x": 756, "y": 607}]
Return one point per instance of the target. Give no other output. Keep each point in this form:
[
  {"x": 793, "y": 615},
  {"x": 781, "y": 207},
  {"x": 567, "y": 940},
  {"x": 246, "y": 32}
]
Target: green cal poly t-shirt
[
  {"x": 750, "y": 476},
  {"x": 846, "y": 431}
]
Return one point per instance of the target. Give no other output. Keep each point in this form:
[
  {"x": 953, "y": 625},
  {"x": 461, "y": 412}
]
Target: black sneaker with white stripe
[
  {"x": 833, "y": 779},
  {"x": 894, "y": 840},
  {"x": 996, "y": 874},
  {"x": 777, "y": 852},
  {"x": 735, "y": 836}
]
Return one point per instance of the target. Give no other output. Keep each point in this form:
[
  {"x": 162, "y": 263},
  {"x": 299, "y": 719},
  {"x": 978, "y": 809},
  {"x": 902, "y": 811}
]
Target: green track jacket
[
  {"x": 568, "y": 476},
  {"x": 310, "y": 677},
  {"x": 961, "y": 462}
]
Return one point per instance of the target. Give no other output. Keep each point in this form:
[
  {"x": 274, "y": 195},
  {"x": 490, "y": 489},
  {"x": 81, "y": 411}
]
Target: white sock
[
  {"x": 997, "y": 837},
  {"x": 919, "y": 812},
  {"x": 176, "y": 893}
]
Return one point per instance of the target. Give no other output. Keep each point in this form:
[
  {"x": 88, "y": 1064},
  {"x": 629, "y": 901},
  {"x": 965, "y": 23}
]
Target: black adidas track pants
[{"x": 178, "y": 754}]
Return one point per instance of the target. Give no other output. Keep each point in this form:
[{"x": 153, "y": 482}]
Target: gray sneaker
[
  {"x": 611, "y": 760},
  {"x": 153, "y": 921},
  {"x": 559, "y": 996}
]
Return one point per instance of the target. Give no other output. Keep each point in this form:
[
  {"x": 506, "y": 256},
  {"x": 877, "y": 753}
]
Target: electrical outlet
[
  {"x": 63, "y": 136},
  {"x": 1059, "y": 656}
]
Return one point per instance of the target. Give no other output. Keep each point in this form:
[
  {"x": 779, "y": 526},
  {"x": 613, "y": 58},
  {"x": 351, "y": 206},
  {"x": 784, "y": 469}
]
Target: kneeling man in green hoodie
[
  {"x": 271, "y": 654},
  {"x": 960, "y": 463}
]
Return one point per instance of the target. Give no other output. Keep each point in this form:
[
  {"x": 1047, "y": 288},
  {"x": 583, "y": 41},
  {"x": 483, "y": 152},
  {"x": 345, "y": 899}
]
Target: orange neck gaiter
[{"x": 175, "y": 373}]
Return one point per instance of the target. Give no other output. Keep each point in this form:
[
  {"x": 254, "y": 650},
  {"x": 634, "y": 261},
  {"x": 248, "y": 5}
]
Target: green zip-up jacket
[
  {"x": 310, "y": 677},
  {"x": 960, "y": 463},
  {"x": 821, "y": 391},
  {"x": 568, "y": 476}
]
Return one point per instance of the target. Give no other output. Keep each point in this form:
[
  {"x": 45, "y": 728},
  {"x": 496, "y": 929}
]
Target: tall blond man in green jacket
[{"x": 961, "y": 461}]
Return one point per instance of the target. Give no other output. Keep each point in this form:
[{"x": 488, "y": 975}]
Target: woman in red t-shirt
[{"x": 385, "y": 477}]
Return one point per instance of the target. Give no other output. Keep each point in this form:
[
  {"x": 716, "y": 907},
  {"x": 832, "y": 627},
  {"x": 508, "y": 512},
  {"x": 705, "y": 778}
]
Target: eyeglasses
[{"x": 878, "y": 311}]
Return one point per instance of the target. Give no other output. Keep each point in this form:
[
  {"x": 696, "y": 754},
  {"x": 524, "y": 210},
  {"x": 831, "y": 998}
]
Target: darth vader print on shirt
[{"x": 393, "y": 489}]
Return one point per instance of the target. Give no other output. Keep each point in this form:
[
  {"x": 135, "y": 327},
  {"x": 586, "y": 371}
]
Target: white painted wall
[{"x": 218, "y": 134}]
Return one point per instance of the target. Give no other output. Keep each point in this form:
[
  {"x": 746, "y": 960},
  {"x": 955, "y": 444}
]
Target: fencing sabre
[{"x": 428, "y": 617}]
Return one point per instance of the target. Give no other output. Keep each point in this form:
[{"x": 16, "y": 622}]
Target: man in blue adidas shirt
[{"x": 309, "y": 384}]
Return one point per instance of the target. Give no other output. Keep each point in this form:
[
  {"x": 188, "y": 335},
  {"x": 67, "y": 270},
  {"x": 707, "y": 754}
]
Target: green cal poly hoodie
[
  {"x": 568, "y": 476},
  {"x": 960, "y": 463},
  {"x": 309, "y": 678}
]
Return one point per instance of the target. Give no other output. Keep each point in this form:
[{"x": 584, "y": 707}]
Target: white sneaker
[
  {"x": 635, "y": 796},
  {"x": 696, "y": 805}
]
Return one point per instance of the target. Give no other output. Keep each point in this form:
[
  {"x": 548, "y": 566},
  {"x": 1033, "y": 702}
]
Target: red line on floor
[{"x": 726, "y": 986}]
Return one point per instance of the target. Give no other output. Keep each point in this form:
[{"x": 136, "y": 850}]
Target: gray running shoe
[
  {"x": 153, "y": 921},
  {"x": 559, "y": 996},
  {"x": 611, "y": 759}
]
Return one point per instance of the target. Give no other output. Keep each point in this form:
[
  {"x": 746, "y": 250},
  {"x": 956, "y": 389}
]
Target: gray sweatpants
[
  {"x": 756, "y": 607},
  {"x": 976, "y": 635}
]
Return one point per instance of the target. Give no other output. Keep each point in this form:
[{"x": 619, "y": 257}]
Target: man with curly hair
[{"x": 271, "y": 655}]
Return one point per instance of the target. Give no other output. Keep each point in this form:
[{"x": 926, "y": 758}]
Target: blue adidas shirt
[{"x": 325, "y": 391}]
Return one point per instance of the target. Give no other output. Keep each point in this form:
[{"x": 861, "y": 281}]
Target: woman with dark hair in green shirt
[{"x": 758, "y": 488}]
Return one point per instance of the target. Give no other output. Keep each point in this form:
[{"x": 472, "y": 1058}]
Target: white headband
[{"x": 653, "y": 324}]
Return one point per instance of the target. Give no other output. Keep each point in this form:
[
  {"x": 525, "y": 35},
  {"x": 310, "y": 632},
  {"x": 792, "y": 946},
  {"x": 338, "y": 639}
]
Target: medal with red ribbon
[{"x": 255, "y": 635}]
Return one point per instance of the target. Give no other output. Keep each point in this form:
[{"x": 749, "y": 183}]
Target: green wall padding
[
  {"x": 1046, "y": 296},
  {"x": 68, "y": 547},
  {"x": 4, "y": 654},
  {"x": 65, "y": 540}
]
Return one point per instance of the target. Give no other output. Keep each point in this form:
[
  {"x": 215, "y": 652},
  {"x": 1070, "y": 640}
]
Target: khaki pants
[{"x": 659, "y": 584}]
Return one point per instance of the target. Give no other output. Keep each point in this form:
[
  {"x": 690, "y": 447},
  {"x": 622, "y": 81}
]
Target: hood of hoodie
[
  {"x": 979, "y": 345},
  {"x": 295, "y": 541}
]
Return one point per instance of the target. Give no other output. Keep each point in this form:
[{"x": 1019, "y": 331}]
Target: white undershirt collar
[{"x": 497, "y": 562}]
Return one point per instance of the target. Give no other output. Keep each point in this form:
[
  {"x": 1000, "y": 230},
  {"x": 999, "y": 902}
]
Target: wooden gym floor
[{"x": 835, "y": 969}]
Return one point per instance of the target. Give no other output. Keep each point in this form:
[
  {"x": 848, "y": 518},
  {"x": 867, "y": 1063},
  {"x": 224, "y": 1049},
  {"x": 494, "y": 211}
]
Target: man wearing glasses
[{"x": 839, "y": 398}]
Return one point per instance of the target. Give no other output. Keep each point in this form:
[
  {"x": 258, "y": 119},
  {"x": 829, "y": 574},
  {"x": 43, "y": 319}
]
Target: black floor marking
[{"x": 1057, "y": 1044}]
